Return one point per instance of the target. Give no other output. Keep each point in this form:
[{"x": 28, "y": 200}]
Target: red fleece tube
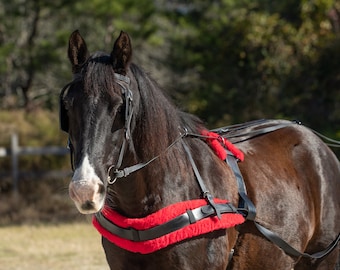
[
  {"x": 201, "y": 227},
  {"x": 218, "y": 145}
]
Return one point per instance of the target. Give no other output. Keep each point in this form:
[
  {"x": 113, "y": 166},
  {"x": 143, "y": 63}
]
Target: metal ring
[{"x": 109, "y": 179}]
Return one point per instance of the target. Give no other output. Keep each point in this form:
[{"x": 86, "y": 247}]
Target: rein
[{"x": 120, "y": 173}]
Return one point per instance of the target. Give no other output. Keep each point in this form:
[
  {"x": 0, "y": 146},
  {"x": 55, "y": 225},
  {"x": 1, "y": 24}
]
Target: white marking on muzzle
[{"x": 86, "y": 189}]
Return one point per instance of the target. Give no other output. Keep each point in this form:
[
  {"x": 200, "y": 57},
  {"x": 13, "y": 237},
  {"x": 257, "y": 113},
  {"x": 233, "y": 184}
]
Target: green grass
[{"x": 66, "y": 246}]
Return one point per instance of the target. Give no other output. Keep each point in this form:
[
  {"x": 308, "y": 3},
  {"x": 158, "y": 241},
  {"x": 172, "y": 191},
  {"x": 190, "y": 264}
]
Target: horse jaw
[{"x": 86, "y": 189}]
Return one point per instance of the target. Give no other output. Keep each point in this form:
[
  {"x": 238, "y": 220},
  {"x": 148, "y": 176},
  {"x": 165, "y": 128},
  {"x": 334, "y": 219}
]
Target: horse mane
[{"x": 160, "y": 121}]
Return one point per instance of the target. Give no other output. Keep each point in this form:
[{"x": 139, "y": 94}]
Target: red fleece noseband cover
[{"x": 160, "y": 217}]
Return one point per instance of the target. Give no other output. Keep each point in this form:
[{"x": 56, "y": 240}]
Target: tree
[
  {"x": 27, "y": 49},
  {"x": 243, "y": 60},
  {"x": 33, "y": 42}
]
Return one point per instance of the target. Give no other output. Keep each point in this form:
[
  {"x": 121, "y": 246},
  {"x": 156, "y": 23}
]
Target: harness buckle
[{"x": 210, "y": 199}]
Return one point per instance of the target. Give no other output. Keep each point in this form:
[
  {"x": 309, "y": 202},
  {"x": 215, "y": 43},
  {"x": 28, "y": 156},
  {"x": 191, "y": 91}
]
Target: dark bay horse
[{"x": 132, "y": 155}]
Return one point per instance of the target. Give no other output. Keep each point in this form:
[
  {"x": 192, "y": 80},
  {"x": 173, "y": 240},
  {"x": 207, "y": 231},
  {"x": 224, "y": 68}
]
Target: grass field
[{"x": 41, "y": 247}]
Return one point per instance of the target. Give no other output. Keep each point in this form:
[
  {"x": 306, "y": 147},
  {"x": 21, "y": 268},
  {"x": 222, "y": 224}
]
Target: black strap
[
  {"x": 288, "y": 249},
  {"x": 119, "y": 173},
  {"x": 260, "y": 132},
  {"x": 247, "y": 208},
  {"x": 190, "y": 217},
  {"x": 236, "y": 134},
  {"x": 205, "y": 192}
]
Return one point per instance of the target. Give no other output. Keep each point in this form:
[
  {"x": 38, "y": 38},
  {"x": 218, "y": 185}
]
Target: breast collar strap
[{"x": 205, "y": 192}]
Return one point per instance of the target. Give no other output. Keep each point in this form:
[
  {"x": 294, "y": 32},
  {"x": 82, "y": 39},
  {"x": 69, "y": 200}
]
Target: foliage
[
  {"x": 33, "y": 42},
  {"x": 227, "y": 61},
  {"x": 250, "y": 59}
]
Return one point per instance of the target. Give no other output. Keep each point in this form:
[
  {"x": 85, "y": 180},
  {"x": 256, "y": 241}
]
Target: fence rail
[{"x": 16, "y": 150}]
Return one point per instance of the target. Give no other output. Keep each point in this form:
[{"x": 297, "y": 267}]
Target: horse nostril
[{"x": 88, "y": 205}]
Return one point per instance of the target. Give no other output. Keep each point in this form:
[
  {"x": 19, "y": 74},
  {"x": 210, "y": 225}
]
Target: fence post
[{"x": 14, "y": 152}]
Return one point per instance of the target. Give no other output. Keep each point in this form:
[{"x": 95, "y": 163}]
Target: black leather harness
[{"x": 245, "y": 207}]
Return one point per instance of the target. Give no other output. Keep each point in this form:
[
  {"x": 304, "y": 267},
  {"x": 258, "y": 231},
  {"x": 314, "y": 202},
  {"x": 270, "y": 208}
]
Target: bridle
[
  {"x": 114, "y": 171},
  {"x": 124, "y": 83}
]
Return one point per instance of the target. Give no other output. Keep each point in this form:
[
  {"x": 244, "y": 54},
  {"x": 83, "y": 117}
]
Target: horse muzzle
[{"x": 88, "y": 196}]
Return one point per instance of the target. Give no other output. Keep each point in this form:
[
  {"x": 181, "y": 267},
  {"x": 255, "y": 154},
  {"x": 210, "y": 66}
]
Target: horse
[{"x": 139, "y": 158}]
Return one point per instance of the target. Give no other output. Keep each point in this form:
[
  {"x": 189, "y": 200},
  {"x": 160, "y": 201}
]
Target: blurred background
[{"x": 227, "y": 61}]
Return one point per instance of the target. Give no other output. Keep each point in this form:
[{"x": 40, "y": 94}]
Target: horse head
[{"x": 93, "y": 111}]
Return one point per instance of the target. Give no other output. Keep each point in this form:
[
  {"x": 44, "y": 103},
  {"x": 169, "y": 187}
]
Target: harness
[{"x": 188, "y": 219}]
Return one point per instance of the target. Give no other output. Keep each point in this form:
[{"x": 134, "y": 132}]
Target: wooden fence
[{"x": 16, "y": 150}]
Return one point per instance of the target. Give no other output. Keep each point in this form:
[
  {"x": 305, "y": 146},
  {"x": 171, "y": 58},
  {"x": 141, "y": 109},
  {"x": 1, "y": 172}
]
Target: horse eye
[
  {"x": 68, "y": 103},
  {"x": 118, "y": 122}
]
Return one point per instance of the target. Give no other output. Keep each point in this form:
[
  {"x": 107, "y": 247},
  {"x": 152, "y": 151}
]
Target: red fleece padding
[
  {"x": 201, "y": 227},
  {"x": 218, "y": 144}
]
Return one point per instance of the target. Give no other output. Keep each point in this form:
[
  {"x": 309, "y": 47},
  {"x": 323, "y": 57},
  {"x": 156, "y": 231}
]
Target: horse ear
[
  {"x": 77, "y": 51},
  {"x": 121, "y": 53}
]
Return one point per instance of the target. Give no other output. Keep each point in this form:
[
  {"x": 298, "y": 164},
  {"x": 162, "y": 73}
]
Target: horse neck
[
  {"x": 157, "y": 126},
  {"x": 168, "y": 179},
  {"x": 150, "y": 188}
]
